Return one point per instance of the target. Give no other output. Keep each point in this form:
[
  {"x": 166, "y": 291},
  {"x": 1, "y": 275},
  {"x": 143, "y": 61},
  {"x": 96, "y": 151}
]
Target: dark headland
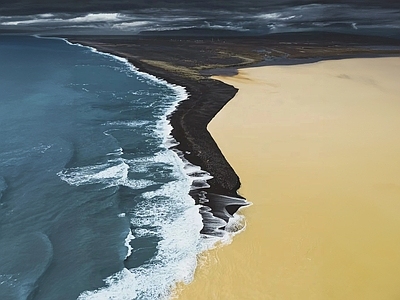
[{"x": 190, "y": 61}]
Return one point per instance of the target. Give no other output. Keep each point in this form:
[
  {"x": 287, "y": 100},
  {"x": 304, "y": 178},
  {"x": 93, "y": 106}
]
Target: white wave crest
[
  {"x": 133, "y": 124},
  {"x": 113, "y": 173},
  {"x": 128, "y": 240},
  {"x": 118, "y": 286}
]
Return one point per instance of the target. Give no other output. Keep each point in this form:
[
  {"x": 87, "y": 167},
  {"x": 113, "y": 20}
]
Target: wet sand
[{"x": 317, "y": 148}]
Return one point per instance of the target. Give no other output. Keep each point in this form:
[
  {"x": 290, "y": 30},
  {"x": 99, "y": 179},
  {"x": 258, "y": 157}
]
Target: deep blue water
[{"x": 92, "y": 203}]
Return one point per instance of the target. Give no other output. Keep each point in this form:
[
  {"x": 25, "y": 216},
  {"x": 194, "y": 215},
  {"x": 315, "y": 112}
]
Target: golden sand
[{"x": 317, "y": 148}]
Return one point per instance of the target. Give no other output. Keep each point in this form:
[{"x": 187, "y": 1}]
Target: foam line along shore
[
  {"x": 217, "y": 197},
  {"x": 186, "y": 61},
  {"x": 215, "y": 216},
  {"x": 294, "y": 53}
]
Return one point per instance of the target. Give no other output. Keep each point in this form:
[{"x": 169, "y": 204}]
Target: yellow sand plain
[{"x": 317, "y": 148}]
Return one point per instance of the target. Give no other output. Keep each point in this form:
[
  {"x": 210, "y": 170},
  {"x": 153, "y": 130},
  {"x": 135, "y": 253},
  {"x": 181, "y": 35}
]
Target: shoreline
[
  {"x": 189, "y": 123},
  {"x": 206, "y": 98},
  {"x": 190, "y": 61}
]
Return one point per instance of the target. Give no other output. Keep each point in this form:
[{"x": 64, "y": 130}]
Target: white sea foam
[
  {"x": 112, "y": 173},
  {"x": 118, "y": 152},
  {"x": 133, "y": 124},
  {"x": 128, "y": 240},
  {"x": 175, "y": 260},
  {"x": 195, "y": 172},
  {"x": 141, "y": 232},
  {"x": 120, "y": 286},
  {"x": 235, "y": 225},
  {"x": 170, "y": 214},
  {"x": 180, "y": 92}
]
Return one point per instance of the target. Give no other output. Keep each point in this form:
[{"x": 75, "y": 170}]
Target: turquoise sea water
[{"x": 92, "y": 203}]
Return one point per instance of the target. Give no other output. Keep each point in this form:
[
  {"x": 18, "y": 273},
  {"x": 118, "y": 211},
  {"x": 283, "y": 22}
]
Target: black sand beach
[{"x": 190, "y": 61}]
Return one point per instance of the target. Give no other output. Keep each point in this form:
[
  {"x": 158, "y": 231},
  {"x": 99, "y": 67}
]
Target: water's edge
[
  {"x": 216, "y": 209},
  {"x": 215, "y": 185}
]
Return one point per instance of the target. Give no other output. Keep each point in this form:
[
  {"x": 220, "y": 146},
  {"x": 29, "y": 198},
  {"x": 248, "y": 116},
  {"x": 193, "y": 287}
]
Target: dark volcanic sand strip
[
  {"x": 189, "y": 122},
  {"x": 187, "y": 61}
]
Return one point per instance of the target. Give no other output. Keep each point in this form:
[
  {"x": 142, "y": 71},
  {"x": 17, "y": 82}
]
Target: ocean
[{"x": 93, "y": 203}]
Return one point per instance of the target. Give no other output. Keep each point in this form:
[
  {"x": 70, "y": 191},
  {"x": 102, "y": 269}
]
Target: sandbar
[{"x": 316, "y": 147}]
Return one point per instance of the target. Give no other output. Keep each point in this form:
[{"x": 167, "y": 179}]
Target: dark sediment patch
[{"x": 189, "y": 61}]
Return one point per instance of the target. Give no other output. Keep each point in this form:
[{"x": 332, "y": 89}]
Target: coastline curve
[{"x": 195, "y": 145}]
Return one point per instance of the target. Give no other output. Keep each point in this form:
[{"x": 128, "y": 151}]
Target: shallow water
[{"x": 88, "y": 189}]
